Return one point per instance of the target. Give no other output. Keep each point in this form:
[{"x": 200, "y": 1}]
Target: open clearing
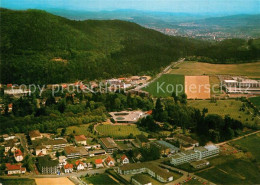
[
  {"x": 56, "y": 181},
  {"x": 226, "y": 107},
  {"x": 166, "y": 85},
  {"x": 79, "y": 130},
  {"x": 197, "y": 87},
  {"x": 251, "y": 70},
  {"x": 236, "y": 168},
  {"x": 119, "y": 131}
]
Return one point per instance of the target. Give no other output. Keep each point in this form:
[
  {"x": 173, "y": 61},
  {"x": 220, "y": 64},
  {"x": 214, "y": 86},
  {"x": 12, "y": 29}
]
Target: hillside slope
[{"x": 38, "y": 47}]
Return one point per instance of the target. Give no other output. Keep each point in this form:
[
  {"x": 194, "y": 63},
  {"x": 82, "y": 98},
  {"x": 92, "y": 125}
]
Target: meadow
[
  {"x": 119, "y": 131},
  {"x": 255, "y": 101},
  {"x": 100, "y": 179},
  {"x": 78, "y": 130},
  {"x": 251, "y": 70},
  {"x": 168, "y": 83},
  {"x": 226, "y": 107}
]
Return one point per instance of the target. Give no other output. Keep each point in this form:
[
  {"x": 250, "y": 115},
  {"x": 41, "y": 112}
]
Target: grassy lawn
[
  {"x": 119, "y": 131},
  {"x": 168, "y": 84},
  {"x": 214, "y": 85},
  {"x": 256, "y": 101},
  {"x": 226, "y": 107},
  {"x": 249, "y": 143},
  {"x": 21, "y": 181},
  {"x": 99, "y": 179},
  {"x": 200, "y": 68},
  {"x": 193, "y": 182},
  {"x": 79, "y": 130}
]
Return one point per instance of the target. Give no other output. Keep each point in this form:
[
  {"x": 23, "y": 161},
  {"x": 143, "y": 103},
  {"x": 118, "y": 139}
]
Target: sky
[{"x": 185, "y": 6}]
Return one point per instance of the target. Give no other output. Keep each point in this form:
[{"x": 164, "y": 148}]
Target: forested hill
[{"x": 38, "y": 47}]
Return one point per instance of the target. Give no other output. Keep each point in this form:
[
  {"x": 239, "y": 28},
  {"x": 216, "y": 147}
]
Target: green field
[
  {"x": 256, "y": 101},
  {"x": 226, "y": 107},
  {"x": 79, "y": 130},
  {"x": 199, "y": 68},
  {"x": 21, "y": 181},
  {"x": 166, "y": 85},
  {"x": 100, "y": 179},
  {"x": 249, "y": 143},
  {"x": 119, "y": 131}
]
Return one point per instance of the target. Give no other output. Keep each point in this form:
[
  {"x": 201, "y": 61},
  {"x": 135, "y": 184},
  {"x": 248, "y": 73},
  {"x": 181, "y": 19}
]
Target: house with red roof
[
  {"x": 99, "y": 163},
  {"x": 110, "y": 161},
  {"x": 81, "y": 139},
  {"x": 68, "y": 168},
  {"x": 124, "y": 159},
  {"x": 18, "y": 155},
  {"x": 14, "y": 169},
  {"x": 79, "y": 165}
]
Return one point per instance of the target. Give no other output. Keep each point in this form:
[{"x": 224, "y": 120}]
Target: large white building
[{"x": 193, "y": 155}]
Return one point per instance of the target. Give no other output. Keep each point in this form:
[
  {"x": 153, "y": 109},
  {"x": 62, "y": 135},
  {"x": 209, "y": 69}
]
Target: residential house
[
  {"x": 35, "y": 134},
  {"x": 124, "y": 159},
  {"x": 79, "y": 165},
  {"x": 14, "y": 169},
  {"x": 110, "y": 161},
  {"x": 81, "y": 139},
  {"x": 68, "y": 168},
  {"x": 99, "y": 163},
  {"x": 62, "y": 161},
  {"x": 18, "y": 155},
  {"x": 108, "y": 144},
  {"x": 40, "y": 150}
]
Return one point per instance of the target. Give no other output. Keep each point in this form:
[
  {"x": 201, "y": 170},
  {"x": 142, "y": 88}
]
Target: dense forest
[{"x": 38, "y": 47}]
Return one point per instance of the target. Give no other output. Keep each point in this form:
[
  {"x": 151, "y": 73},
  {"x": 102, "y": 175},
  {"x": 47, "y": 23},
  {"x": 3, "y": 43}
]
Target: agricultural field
[
  {"x": 197, "y": 87},
  {"x": 256, "y": 101},
  {"x": 78, "y": 130},
  {"x": 119, "y": 131},
  {"x": 234, "y": 171},
  {"x": 166, "y": 85},
  {"x": 227, "y": 107},
  {"x": 100, "y": 179},
  {"x": 251, "y": 70},
  {"x": 20, "y": 181}
]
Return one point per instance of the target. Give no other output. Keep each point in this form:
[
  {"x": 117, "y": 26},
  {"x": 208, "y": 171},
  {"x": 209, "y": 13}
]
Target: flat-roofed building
[
  {"x": 72, "y": 152},
  {"x": 94, "y": 153},
  {"x": 48, "y": 166},
  {"x": 197, "y": 154},
  {"x": 154, "y": 171},
  {"x": 185, "y": 140},
  {"x": 81, "y": 139},
  {"x": 199, "y": 164},
  {"x": 141, "y": 179},
  {"x": 108, "y": 144},
  {"x": 166, "y": 148},
  {"x": 55, "y": 144}
]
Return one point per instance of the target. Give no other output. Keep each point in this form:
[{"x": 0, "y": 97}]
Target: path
[{"x": 238, "y": 138}]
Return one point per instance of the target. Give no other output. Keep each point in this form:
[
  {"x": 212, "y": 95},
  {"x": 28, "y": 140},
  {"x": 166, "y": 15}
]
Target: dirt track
[{"x": 56, "y": 181}]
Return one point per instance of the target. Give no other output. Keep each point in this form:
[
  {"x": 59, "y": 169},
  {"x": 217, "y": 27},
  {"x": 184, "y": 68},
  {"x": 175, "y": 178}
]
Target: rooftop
[
  {"x": 80, "y": 138},
  {"x": 142, "y": 178},
  {"x": 168, "y": 145},
  {"x": 186, "y": 139},
  {"x": 35, "y": 133}
]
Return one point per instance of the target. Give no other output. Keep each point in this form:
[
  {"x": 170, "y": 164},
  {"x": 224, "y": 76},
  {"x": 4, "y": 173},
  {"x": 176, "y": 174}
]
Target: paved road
[{"x": 24, "y": 144}]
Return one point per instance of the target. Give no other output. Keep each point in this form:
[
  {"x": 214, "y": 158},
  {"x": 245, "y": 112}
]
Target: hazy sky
[{"x": 191, "y": 6}]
